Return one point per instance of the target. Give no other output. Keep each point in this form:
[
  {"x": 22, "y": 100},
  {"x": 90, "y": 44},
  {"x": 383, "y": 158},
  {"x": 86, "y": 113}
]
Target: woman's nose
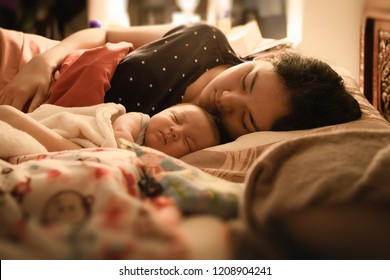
[{"x": 229, "y": 101}]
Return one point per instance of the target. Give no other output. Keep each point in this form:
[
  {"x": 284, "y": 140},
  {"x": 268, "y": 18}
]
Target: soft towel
[
  {"x": 88, "y": 127},
  {"x": 15, "y": 142}
]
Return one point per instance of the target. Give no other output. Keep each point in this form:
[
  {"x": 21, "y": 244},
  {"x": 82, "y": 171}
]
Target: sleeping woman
[{"x": 195, "y": 64}]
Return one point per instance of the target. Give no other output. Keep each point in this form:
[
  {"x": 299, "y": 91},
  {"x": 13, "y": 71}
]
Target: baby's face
[{"x": 180, "y": 130}]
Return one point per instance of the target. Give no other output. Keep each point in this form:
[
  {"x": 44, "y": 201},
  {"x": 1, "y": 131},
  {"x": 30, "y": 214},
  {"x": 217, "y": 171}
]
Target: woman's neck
[{"x": 193, "y": 91}]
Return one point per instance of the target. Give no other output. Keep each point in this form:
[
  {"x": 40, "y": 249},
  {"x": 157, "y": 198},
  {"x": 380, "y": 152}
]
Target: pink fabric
[
  {"x": 16, "y": 49},
  {"x": 85, "y": 75}
]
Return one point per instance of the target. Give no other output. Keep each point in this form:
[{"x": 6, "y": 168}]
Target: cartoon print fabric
[{"x": 105, "y": 203}]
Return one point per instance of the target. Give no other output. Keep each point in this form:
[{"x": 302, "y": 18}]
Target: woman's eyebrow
[{"x": 253, "y": 81}]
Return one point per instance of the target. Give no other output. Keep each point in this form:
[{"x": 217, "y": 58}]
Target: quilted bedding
[{"x": 105, "y": 203}]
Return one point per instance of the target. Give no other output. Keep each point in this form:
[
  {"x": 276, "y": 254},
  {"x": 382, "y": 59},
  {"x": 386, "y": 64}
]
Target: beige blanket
[
  {"x": 15, "y": 142},
  {"x": 87, "y": 126},
  {"x": 326, "y": 169}
]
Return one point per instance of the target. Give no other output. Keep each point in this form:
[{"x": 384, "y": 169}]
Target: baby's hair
[
  {"x": 224, "y": 136},
  {"x": 214, "y": 123},
  {"x": 219, "y": 132}
]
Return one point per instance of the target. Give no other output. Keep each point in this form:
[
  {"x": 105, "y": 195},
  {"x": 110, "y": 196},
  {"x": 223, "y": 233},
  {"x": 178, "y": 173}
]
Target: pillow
[
  {"x": 321, "y": 196},
  {"x": 233, "y": 160},
  {"x": 85, "y": 75},
  {"x": 332, "y": 170}
]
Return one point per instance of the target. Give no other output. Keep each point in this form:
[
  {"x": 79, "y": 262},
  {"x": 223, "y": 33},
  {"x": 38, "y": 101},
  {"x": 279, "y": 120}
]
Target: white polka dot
[
  {"x": 153, "y": 108},
  {"x": 187, "y": 44},
  {"x": 182, "y": 96},
  {"x": 215, "y": 37},
  {"x": 164, "y": 69},
  {"x": 207, "y": 69},
  {"x": 175, "y": 57},
  {"x": 169, "y": 89},
  {"x": 131, "y": 79},
  {"x": 155, "y": 50},
  {"x": 138, "y": 104},
  {"x": 166, "y": 42},
  {"x": 205, "y": 48},
  {"x": 143, "y": 62},
  {"x": 150, "y": 85},
  {"x": 217, "y": 60},
  {"x": 120, "y": 99},
  {"x": 196, "y": 33},
  {"x": 183, "y": 75},
  {"x": 196, "y": 60}
]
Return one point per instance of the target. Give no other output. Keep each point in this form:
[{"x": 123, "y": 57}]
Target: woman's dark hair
[{"x": 317, "y": 93}]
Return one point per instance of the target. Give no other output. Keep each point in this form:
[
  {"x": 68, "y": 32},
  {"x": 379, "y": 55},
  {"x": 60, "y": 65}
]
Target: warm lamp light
[
  {"x": 108, "y": 13},
  {"x": 294, "y": 13}
]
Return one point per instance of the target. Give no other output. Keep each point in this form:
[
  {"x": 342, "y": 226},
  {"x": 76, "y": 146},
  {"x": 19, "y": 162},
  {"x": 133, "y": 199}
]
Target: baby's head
[{"x": 181, "y": 129}]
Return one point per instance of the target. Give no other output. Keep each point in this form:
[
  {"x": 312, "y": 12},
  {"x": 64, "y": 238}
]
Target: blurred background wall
[
  {"x": 328, "y": 29},
  {"x": 331, "y": 31}
]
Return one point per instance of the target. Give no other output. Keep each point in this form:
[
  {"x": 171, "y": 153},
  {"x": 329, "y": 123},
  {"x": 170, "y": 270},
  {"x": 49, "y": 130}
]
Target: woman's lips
[{"x": 213, "y": 103}]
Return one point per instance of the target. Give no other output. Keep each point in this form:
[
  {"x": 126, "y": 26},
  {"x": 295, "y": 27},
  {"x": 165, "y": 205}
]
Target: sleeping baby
[{"x": 176, "y": 131}]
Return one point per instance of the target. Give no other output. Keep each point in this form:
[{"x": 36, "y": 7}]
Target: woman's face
[{"x": 247, "y": 97}]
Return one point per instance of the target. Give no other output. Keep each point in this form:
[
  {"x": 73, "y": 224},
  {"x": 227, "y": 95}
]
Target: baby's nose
[{"x": 174, "y": 134}]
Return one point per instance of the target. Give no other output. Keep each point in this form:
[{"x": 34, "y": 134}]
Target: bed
[{"x": 257, "y": 197}]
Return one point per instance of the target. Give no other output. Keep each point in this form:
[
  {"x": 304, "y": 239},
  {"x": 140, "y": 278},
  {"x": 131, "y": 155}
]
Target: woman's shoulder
[{"x": 194, "y": 28}]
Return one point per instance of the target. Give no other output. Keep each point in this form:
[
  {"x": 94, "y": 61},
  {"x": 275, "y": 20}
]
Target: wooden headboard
[{"x": 375, "y": 55}]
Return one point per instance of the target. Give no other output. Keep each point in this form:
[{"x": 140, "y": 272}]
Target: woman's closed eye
[
  {"x": 244, "y": 81},
  {"x": 187, "y": 144},
  {"x": 247, "y": 122}
]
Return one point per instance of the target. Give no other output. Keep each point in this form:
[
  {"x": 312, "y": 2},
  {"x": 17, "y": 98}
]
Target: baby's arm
[
  {"x": 128, "y": 126},
  {"x": 48, "y": 138}
]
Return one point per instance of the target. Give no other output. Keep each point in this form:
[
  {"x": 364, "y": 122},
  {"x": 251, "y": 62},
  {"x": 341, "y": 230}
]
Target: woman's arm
[
  {"x": 138, "y": 35},
  {"x": 95, "y": 37},
  {"x": 31, "y": 85},
  {"x": 48, "y": 138}
]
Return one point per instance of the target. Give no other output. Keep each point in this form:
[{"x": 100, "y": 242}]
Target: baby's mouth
[{"x": 163, "y": 138}]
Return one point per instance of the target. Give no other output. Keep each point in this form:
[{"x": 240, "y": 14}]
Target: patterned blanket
[{"x": 105, "y": 203}]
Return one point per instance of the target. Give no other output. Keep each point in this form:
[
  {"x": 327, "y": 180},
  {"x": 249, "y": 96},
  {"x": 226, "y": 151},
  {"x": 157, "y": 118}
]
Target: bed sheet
[{"x": 105, "y": 203}]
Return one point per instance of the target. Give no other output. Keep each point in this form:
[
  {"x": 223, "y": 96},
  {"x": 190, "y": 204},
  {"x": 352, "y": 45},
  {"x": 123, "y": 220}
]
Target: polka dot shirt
[{"x": 155, "y": 76}]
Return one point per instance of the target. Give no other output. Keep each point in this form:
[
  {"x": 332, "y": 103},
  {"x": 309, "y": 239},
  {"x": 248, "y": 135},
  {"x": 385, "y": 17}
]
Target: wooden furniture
[{"x": 375, "y": 55}]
